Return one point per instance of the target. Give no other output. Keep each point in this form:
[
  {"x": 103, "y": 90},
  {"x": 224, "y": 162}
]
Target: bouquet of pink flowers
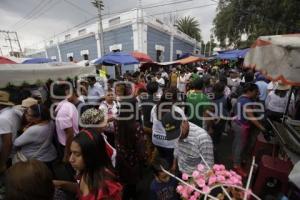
[{"x": 205, "y": 181}]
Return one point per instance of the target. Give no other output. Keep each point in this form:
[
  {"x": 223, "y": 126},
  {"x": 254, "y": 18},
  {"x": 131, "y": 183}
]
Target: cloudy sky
[{"x": 37, "y": 20}]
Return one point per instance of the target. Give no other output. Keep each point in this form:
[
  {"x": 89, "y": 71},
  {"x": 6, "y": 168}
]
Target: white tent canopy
[
  {"x": 277, "y": 56},
  {"x": 17, "y": 74}
]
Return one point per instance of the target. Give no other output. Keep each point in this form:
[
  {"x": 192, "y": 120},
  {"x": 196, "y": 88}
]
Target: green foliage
[
  {"x": 255, "y": 18},
  {"x": 190, "y": 26}
]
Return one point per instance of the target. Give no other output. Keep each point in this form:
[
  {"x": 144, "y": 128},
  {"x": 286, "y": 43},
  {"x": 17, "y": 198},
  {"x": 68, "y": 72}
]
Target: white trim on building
[
  {"x": 83, "y": 52},
  {"x": 115, "y": 47},
  {"x": 71, "y": 54},
  {"x": 159, "y": 48}
]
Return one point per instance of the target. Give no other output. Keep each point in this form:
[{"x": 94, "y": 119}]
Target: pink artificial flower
[
  {"x": 195, "y": 174},
  {"x": 212, "y": 180},
  {"x": 234, "y": 180},
  {"x": 197, "y": 195},
  {"x": 229, "y": 182},
  {"x": 200, "y": 167},
  {"x": 221, "y": 179},
  {"x": 179, "y": 189},
  {"x": 222, "y": 167},
  {"x": 193, "y": 198},
  {"x": 206, "y": 189},
  {"x": 200, "y": 182},
  {"x": 227, "y": 174},
  {"x": 185, "y": 176},
  {"x": 216, "y": 167}
]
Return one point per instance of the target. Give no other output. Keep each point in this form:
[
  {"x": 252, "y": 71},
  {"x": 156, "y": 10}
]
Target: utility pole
[
  {"x": 99, "y": 5},
  {"x": 10, "y": 40}
]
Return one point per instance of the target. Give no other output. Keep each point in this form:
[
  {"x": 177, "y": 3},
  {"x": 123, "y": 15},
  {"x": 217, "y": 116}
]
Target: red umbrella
[
  {"x": 4, "y": 60},
  {"x": 142, "y": 57}
]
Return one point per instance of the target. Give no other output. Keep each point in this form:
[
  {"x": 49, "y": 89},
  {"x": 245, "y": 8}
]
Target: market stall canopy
[
  {"x": 37, "y": 61},
  {"x": 145, "y": 66},
  {"x": 17, "y": 74},
  {"x": 276, "y": 56},
  {"x": 232, "y": 54},
  {"x": 185, "y": 55},
  {"x": 17, "y": 59},
  {"x": 142, "y": 57},
  {"x": 190, "y": 59},
  {"x": 115, "y": 58},
  {"x": 4, "y": 60}
]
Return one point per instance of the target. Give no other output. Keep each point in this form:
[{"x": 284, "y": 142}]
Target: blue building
[{"x": 127, "y": 32}]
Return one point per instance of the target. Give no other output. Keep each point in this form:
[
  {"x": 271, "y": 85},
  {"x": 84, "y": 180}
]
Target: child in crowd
[{"x": 163, "y": 187}]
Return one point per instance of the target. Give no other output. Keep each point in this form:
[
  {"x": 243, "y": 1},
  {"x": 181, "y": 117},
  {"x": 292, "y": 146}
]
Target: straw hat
[
  {"x": 4, "y": 99},
  {"x": 26, "y": 103},
  {"x": 281, "y": 86},
  {"x": 93, "y": 117}
]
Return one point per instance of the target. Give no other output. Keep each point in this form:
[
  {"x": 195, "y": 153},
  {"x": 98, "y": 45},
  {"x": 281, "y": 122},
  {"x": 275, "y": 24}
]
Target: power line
[
  {"x": 122, "y": 11},
  {"x": 42, "y": 12},
  {"x": 79, "y": 8},
  {"x": 31, "y": 13}
]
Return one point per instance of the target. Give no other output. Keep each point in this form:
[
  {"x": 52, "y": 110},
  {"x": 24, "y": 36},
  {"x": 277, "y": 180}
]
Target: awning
[
  {"x": 17, "y": 74},
  {"x": 190, "y": 59},
  {"x": 142, "y": 57},
  {"x": 4, "y": 60},
  {"x": 37, "y": 61},
  {"x": 232, "y": 54},
  {"x": 115, "y": 58},
  {"x": 276, "y": 56}
]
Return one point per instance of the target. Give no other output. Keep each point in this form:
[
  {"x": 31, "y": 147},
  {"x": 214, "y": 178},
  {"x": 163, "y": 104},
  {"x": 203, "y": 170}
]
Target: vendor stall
[
  {"x": 18, "y": 74},
  {"x": 278, "y": 58}
]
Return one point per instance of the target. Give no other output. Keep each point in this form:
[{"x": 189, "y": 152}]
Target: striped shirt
[{"x": 187, "y": 151}]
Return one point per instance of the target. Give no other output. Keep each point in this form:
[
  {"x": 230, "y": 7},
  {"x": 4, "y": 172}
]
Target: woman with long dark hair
[
  {"x": 130, "y": 147},
  {"x": 90, "y": 160}
]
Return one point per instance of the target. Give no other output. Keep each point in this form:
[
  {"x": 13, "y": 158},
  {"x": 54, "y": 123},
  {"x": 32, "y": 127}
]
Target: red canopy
[
  {"x": 142, "y": 57},
  {"x": 4, "y": 60}
]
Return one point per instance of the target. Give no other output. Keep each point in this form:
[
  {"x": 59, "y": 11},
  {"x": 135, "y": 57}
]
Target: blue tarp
[
  {"x": 115, "y": 58},
  {"x": 37, "y": 61},
  {"x": 233, "y": 54}
]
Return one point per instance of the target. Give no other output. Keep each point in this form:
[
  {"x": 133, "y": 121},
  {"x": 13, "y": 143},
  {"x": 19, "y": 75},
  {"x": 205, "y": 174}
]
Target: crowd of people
[{"x": 91, "y": 139}]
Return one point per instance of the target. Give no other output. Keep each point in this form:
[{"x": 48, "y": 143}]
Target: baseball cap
[{"x": 171, "y": 122}]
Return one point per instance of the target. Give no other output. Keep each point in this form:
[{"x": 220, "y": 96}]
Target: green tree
[
  {"x": 190, "y": 26},
  {"x": 255, "y": 18}
]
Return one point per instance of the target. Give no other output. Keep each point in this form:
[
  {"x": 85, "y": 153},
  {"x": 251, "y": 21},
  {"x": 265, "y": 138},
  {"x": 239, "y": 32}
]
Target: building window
[
  {"x": 68, "y": 36},
  {"x": 85, "y": 54},
  {"x": 114, "y": 21},
  {"x": 159, "y": 56},
  {"x": 53, "y": 58},
  {"x": 85, "y": 57},
  {"x": 81, "y": 32}
]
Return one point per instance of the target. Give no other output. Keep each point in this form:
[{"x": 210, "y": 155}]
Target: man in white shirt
[
  {"x": 95, "y": 91},
  {"x": 10, "y": 123},
  {"x": 161, "y": 83}
]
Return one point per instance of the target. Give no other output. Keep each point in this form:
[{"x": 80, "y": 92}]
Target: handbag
[{"x": 20, "y": 157}]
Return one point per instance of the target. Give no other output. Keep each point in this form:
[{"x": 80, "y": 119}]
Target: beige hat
[
  {"x": 4, "y": 99},
  {"x": 281, "y": 86},
  {"x": 26, "y": 103}
]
